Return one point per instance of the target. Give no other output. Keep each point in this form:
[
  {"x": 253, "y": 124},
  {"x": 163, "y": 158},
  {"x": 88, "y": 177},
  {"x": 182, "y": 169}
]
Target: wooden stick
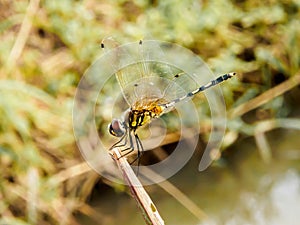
[{"x": 144, "y": 202}]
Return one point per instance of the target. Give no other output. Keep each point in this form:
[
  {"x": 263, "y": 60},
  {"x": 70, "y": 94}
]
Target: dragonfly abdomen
[{"x": 218, "y": 80}]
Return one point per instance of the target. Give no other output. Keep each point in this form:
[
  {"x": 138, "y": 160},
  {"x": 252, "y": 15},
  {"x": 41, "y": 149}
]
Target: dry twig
[
  {"x": 23, "y": 33},
  {"x": 149, "y": 211},
  {"x": 265, "y": 97}
]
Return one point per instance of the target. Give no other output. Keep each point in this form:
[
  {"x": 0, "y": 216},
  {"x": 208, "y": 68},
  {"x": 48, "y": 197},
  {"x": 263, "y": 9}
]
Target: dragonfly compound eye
[{"x": 116, "y": 128}]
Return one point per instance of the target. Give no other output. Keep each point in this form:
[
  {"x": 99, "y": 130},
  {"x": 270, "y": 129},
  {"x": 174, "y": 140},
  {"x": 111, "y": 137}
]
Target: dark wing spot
[
  {"x": 102, "y": 45},
  {"x": 140, "y": 42},
  {"x": 177, "y": 75},
  {"x": 136, "y": 85}
]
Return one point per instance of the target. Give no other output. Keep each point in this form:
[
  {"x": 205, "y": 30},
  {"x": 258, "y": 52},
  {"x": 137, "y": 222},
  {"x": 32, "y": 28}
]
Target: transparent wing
[{"x": 146, "y": 70}]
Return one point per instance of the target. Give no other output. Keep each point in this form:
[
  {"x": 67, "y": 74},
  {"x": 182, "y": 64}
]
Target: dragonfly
[{"x": 150, "y": 95}]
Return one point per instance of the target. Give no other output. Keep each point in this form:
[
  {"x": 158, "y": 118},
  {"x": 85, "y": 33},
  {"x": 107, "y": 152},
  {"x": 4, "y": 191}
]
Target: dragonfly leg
[
  {"x": 130, "y": 148},
  {"x": 119, "y": 143},
  {"x": 140, "y": 149}
]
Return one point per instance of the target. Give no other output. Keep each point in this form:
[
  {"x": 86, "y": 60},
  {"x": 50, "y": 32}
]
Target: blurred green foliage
[{"x": 259, "y": 39}]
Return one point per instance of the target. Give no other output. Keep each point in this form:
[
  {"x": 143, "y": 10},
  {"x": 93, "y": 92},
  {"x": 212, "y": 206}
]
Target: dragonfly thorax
[
  {"x": 143, "y": 111},
  {"x": 140, "y": 117}
]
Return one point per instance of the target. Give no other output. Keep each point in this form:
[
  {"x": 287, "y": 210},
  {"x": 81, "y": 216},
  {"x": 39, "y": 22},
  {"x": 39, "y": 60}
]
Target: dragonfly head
[{"x": 117, "y": 128}]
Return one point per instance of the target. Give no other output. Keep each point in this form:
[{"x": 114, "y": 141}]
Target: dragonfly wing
[{"x": 143, "y": 70}]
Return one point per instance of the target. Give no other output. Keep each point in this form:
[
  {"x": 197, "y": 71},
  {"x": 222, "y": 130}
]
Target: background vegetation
[{"x": 46, "y": 45}]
